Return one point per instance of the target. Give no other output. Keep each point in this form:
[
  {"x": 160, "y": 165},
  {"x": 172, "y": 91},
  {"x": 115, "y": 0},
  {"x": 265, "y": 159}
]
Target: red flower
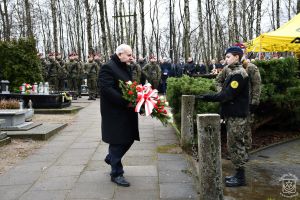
[
  {"x": 130, "y": 92},
  {"x": 165, "y": 111}
]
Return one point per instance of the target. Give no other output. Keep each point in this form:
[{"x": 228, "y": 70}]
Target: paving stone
[
  {"x": 172, "y": 176},
  {"x": 177, "y": 191},
  {"x": 165, "y": 165},
  {"x": 84, "y": 145},
  {"x": 55, "y": 183},
  {"x": 90, "y": 190},
  {"x": 12, "y": 192},
  {"x": 62, "y": 171},
  {"x": 139, "y": 160},
  {"x": 15, "y": 177},
  {"x": 136, "y": 194},
  {"x": 140, "y": 153},
  {"x": 150, "y": 170},
  {"x": 166, "y": 156},
  {"x": 45, "y": 195}
]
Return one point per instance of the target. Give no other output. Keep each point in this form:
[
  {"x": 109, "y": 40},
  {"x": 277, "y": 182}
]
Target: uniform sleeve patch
[{"x": 234, "y": 84}]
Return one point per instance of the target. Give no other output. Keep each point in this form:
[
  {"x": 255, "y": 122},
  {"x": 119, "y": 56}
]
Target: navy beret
[{"x": 234, "y": 49}]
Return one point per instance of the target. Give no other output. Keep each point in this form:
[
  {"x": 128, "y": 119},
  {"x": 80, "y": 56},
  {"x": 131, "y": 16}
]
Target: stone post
[
  {"x": 187, "y": 126},
  {"x": 209, "y": 149}
]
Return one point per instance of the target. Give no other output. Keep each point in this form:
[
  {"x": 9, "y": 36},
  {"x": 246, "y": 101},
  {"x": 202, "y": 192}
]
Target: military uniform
[
  {"x": 136, "y": 72},
  {"x": 91, "y": 70},
  {"x": 255, "y": 91},
  {"x": 73, "y": 71},
  {"x": 53, "y": 74},
  {"x": 234, "y": 99},
  {"x": 152, "y": 73},
  {"x": 62, "y": 75}
]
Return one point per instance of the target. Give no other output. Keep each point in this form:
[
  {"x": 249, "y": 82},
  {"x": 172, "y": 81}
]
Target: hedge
[
  {"x": 280, "y": 96},
  {"x": 19, "y": 62}
]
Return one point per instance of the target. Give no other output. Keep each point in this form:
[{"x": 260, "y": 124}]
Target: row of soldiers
[{"x": 70, "y": 75}]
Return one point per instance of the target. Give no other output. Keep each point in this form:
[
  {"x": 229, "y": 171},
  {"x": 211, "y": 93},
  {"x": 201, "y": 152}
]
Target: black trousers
[{"x": 115, "y": 154}]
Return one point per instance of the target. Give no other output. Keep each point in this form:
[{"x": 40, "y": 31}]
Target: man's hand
[{"x": 200, "y": 97}]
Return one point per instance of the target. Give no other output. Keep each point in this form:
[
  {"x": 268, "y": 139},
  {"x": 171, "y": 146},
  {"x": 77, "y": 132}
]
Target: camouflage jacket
[
  {"x": 136, "y": 72},
  {"x": 91, "y": 69},
  {"x": 152, "y": 71}
]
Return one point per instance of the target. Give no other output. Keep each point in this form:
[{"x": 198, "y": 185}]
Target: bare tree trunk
[
  {"x": 77, "y": 13},
  {"x": 98, "y": 31},
  {"x": 298, "y": 6},
  {"x": 171, "y": 29},
  {"x": 88, "y": 26},
  {"x": 54, "y": 24},
  {"x": 3, "y": 22},
  {"x": 273, "y": 16},
  {"x": 61, "y": 30},
  {"x": 136, "y": 38},
  {"x": 121, "y": 22},
  {"x": 174, "y": 46},
  {"x": 278, "y": 13},
  {"x": 82, "y": 49},
  {"x": 108, "y": 29},
  {"x": 141, "y": 6},
  {"x": 186, "y": 33},
  {"x": 243, "y": 16},
  {"x": 251, "y": 18},
  {"x": 28, "y": 19},
  {"x": 102, "y": 23},
  {"x": 235, "y": 24},
  {"x": 157, "y": 33},
  {"x": 43, "y": 27},
  {"x": 258, "y": 17},
  {"x": 7, "y": 24},
  {"x": 230, "y": 22}
]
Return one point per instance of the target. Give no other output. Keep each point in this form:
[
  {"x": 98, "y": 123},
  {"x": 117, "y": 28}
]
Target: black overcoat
[{"x": 119, "y": 122}]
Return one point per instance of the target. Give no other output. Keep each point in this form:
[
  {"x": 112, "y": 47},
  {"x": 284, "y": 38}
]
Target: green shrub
[
  {"x": 189, "y": 86},
  {"x": 281, "y": 90},
  {"x": 19, "y": 62}
]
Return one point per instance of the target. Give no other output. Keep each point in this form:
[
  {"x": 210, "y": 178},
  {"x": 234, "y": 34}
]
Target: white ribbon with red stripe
[{"x": 148, "y": 97}]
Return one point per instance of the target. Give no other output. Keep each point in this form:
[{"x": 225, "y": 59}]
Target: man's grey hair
[{"x": 121, "y": 48}]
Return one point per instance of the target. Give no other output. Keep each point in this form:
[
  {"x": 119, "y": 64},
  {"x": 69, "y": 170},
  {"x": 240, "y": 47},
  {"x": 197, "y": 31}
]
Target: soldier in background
[
  {"x": 152, "y": 72},
  {"x": 136, "y": 71},
  {"x": 80, "y": 74},
  {"x": 53, "y": 68},
  {"x": 91, "y": 71},
  {"x": 73, "y": 69},
  {"x": 44, "y": 65},
  {"x": 97, "y": 59},
  {"x": 62, "y": 73}
]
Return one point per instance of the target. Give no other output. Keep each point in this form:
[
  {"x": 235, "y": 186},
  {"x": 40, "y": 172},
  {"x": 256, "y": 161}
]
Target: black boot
[{"x": 237, "y": 180}]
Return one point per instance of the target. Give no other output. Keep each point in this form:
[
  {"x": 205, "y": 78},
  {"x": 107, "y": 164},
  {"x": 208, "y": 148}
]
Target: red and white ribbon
[{"x": 148, "y": 97}]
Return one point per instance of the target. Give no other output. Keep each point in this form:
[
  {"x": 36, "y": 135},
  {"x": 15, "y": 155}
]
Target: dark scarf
[
  {"x": 117, "y": 60},
  {"x": 123, "y": 65}
]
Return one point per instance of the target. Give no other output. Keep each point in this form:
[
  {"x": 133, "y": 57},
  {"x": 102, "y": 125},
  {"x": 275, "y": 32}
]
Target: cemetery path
[{"x": 70, "y": 165}]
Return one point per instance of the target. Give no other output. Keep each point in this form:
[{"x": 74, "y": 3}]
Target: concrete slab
[
  {"x": 177, "y": 191},
  {"x": 43, "y": 132},
  {"x": 67, "y": 110},
  {"x": 5, "y": 141}
]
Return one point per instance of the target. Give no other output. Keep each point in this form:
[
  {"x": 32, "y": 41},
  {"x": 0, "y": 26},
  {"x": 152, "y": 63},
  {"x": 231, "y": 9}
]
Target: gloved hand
[
  {"x": 200, "y": 97},
  {"x": 253, "y": 108}
]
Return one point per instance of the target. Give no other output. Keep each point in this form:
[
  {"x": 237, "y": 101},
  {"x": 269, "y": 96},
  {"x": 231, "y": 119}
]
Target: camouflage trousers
[
  {"x": 248, "y": 130},
  {"x": 236, "y": 134},
  {"x": 92, "y": 85},
  {"x": 53, "y": 83}
]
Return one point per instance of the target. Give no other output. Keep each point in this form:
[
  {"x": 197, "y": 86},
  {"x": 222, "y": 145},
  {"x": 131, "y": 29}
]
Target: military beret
[{"x": 234, "y": 49}]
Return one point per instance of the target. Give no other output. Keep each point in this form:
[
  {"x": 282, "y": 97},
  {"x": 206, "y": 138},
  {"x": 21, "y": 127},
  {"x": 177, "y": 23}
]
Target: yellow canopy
[{"x": 285, "y": 38}]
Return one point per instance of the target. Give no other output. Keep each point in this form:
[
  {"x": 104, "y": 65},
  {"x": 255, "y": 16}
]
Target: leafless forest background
[{"x": 172, "y": 28}]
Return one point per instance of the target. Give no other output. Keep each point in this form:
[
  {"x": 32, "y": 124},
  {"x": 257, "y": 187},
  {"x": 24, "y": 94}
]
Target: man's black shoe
[
  {"x": 107, "y": 161},
  {"x": 227, "y": 178},
  {"x": 235, "y": 182},
  {"x": 120, "y": 180}
]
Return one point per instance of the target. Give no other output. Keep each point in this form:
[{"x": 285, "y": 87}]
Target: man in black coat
[{"x": 119, "y": 120}]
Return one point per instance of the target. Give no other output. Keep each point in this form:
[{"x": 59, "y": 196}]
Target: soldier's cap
[{"x": 235, "y": 50}]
